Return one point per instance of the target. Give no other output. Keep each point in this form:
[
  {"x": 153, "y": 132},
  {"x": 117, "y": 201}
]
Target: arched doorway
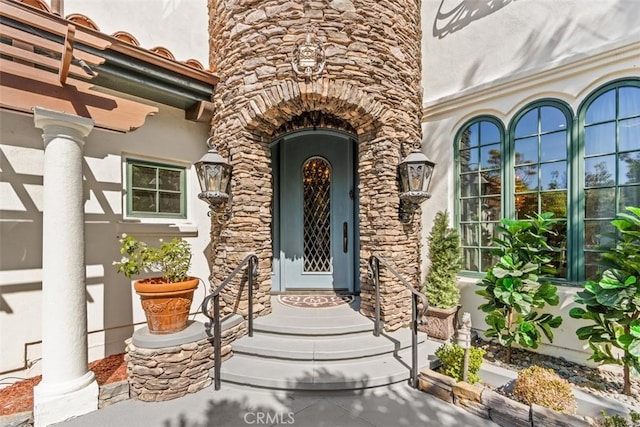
[{"x": 315, "y": 238}]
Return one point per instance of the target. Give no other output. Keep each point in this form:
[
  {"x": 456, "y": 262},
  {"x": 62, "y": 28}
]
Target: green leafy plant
[
  {"x": 515, "y": 286},
  {"x": 617, "y": 420},
  {"x": 440, "y": 285},
  {"x": 544, "y": 387},
  {"x": 172, "y": 258},
  {"x": 452, "y": 357},
  {"x": 612, "y": 303}
]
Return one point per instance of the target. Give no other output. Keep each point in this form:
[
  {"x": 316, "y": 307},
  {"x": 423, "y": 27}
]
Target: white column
[{"x": 68, "y": 388}]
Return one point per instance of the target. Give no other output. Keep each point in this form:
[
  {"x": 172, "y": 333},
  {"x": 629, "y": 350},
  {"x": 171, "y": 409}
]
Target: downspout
[{"x": 57, "y": 7}]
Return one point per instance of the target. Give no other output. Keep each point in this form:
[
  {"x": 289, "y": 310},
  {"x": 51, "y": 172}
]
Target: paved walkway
[{"x": 396, "y": 405}]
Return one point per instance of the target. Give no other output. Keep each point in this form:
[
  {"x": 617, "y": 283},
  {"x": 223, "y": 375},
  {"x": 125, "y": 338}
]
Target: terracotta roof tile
[
  {"x": 80, "y": 19},
  {"x": 87, "y": 22},
  {"x": 126, "y": 37}
]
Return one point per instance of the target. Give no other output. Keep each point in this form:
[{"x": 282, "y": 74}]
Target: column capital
[{"x": 48, "y": 120}]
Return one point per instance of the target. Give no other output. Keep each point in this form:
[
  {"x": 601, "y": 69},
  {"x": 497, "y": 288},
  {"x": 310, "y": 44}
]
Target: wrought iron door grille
[{"x": 316, "y": 175}]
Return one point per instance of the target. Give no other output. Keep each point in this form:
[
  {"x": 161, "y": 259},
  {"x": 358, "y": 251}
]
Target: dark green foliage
[
  {"x": 452, "y": 358},
  {"x": 612, "y": 304},
  {"x": 515, "y": 287},
  {"x": 618, "y": 420},
  {"x": 441, "y": 286}
]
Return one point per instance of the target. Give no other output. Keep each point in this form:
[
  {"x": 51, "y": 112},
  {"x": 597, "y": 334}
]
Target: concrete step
[
  {"x": 339, "y": 323},
  {"x": 350, "y": 374},
  {"x": 324, "y": 347}
]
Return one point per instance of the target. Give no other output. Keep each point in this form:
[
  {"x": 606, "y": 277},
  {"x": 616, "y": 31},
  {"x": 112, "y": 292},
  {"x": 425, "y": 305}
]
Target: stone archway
[{"x": 246, "y": 139}]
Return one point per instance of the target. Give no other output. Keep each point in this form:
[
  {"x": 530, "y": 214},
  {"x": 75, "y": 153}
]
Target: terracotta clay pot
[
  {"x": 166, "y": 305},
  {"x": 441, "y": 323}
]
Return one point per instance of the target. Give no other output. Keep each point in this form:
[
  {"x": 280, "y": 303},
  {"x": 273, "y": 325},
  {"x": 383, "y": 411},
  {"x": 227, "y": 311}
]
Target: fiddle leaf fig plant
[
  {"x": 516, "y": 287},
  {"x": 612, "y": 303}
]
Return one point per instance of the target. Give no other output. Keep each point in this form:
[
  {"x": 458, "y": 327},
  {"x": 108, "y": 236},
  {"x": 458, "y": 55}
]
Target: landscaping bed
[
  {"x": 595, "y": 390},
  {"x": 110, "y": 373}
]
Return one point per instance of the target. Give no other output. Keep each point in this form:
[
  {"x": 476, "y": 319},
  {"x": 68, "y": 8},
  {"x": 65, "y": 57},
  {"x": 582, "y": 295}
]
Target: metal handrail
[
  {"x": 252, "y": 261},
  {"x": 416, "y": 317}
]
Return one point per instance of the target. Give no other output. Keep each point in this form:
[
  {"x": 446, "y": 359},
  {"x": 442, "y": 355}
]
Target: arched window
[
  {"x": 609, "y": 121},
  {"x": 585, "y": 174},
  {"x": 479, "y": 208},
  {"x": 539, "y": 142}
]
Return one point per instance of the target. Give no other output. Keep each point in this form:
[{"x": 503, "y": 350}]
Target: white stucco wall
[
  {"x": 113, "y": 306},
  {"x": 498, "y": 63},
  {"x": 178, "y": 25},
  {"x": 473, "y": 42}
]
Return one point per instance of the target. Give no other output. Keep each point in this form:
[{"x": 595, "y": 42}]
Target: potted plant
[
  {"x": 440, "y": 284},
  {"x": 166, "y": 300}
]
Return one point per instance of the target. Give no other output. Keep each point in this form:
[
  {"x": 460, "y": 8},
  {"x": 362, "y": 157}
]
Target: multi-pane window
[
  {"x": 155, "y": 190},
  {"x": 584, "y": 174},
  {"x": 540, "y": 142},
  {"x": 611, "y": 178},
  {"x": 480, "y": 178}
]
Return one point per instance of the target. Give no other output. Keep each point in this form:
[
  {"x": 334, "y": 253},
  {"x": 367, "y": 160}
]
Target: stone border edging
[
  {"x": 113, "y": 393},
  {"x": 488, "y": 404},
  {"x": 108, "y": 394}
]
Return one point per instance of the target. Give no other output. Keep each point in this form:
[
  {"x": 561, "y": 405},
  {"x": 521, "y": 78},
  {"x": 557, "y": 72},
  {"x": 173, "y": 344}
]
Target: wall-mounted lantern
[
  {"x": 308, "y": 58},
  {"x": 214, "y": 175},
  {"x": 415, "y": 171}
]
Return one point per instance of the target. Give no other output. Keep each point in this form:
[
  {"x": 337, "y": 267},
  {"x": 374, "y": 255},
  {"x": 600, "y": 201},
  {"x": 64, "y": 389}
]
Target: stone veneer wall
[
  {"x": 371, "y": 82},
  {"x": 158, "y": 374}
]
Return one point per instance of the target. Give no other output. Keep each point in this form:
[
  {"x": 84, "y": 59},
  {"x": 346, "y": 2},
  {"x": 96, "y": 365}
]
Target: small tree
[
  {"x": 515, "y": 285},
  {"x": 444, "y": 252},
  {"x": 612, "y": 303}
]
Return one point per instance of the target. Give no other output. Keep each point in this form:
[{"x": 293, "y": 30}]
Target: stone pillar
[{"x": 68, "y": 388}]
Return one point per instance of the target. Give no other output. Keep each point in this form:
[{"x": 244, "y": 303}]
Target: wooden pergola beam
[{"x": 67, "y": 53}]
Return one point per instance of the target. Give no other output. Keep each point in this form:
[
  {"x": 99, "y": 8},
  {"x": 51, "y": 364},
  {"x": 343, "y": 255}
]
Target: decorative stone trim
[
  {"x": 488, "y": 404},
  {"x": 158, "y": 374},
  {"x": 113, "y": 393}
]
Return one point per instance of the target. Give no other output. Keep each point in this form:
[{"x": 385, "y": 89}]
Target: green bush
[
  {"x": 544, "y": 387},
  {"x": 440, "y": 284},
  {"x": 618, "y": 420},
  {"x": 452, "y": 357}
]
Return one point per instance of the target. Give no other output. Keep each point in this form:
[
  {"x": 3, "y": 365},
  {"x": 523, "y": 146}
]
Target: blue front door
[{"x": 316, "y": 245}]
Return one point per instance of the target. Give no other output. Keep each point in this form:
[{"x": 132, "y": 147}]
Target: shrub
[
  {"x": 544, "y": 387},
  {"x": 440, "y": 284},
  {"x": 617, "y": 420},
  {"x": 452, "y": 357}
]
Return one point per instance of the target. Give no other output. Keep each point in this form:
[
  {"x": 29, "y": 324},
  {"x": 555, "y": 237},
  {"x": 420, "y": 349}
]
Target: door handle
[{"x": 345, "y": 237}]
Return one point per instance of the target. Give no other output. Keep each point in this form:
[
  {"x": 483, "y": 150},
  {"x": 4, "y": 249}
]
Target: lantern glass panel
[
  {"x": 210, "y": 176},
  {"x": 427, "y": 178},
  {"x": 416, "y": 176},
  {"x": 226, "y": 176}
]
